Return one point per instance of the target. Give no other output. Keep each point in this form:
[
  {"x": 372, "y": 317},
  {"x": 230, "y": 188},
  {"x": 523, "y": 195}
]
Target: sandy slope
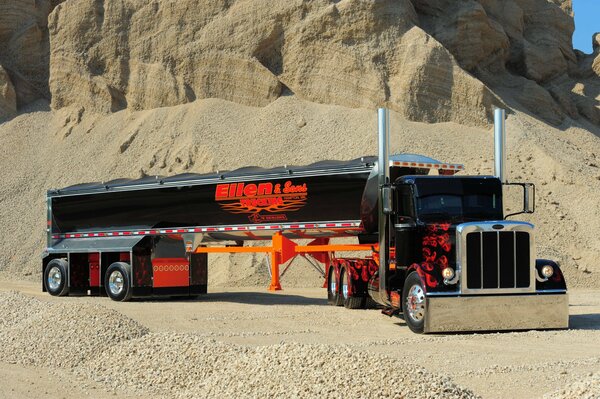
[{"x": 43, "y": 149}]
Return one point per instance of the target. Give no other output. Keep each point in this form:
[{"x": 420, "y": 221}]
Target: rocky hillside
[
  {"x": 429, "y": 60},
  {"x": 92, "y": 90}
]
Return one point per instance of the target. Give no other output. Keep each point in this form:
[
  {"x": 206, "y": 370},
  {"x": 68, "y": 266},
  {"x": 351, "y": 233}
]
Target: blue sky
[{"x": 587, "y": 22}]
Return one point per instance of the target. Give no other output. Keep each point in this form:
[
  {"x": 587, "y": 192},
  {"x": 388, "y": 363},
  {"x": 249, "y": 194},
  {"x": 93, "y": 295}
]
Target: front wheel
[
  {"x": 414, "y": 303},
  {"x": 117, "y": 281}
]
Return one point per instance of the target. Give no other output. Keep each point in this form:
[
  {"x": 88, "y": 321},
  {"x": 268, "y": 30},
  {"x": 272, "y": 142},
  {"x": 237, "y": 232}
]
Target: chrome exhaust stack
[
  {"x": 383, "y": 115},
  {"x": 500, "y": 145}
]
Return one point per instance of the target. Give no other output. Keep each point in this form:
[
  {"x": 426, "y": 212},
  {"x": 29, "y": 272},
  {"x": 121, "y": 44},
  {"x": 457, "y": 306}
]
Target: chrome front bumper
[{"x": 496, "y": 313}]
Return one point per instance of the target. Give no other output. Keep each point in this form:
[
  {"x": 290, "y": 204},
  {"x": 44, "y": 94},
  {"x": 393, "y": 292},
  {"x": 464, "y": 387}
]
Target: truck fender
[
  {"x": 360, "y": 272},
  {"x": 423, "y": 275}
]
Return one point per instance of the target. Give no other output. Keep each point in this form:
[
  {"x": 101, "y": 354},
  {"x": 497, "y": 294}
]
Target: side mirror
[
  {"x": 386, "y": 199},
  {"x": 528, "y": 198}
]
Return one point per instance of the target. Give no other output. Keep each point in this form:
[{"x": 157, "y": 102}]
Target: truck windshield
[
  {"x": 458, "y": 200},
  {"x": 458, "y": 209}
]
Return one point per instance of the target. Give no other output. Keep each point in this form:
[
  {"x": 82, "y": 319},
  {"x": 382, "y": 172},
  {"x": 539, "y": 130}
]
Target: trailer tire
[
  {"x": 333, "y": 293},
  {"x": 414, "y": 303},
  {"x": 350, "y": 302},
  {"x": 56, "y": 277},
  {"x": 117, "y": 281}
]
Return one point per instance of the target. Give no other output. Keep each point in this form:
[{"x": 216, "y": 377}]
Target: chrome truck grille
[{"x": 496, "y": 257}]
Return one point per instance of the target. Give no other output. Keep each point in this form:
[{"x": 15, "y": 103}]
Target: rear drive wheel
[
  {"x": 333, "y": 295},
  {"x": 350, "y": 302},
  {"x": 117, "y": 281},
  {"x": 370, "y": 303},
  {"x": 55, "y": 277},
  {"x": 414, "y": 303}
]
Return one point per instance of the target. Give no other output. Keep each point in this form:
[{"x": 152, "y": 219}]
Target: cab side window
[{"x": 405, "y": 201}]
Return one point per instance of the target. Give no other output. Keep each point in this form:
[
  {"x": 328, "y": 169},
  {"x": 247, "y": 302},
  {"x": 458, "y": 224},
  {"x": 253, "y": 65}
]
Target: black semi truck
[{"x": 440, "y": 250}]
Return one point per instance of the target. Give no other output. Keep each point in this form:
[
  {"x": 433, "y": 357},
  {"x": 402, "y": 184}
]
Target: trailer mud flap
[
  {"x": 496, "y": 313},
  {"x": 171, "y": 272}
]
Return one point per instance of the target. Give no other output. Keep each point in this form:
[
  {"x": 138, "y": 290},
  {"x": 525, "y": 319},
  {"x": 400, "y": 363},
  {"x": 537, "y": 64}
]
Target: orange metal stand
[{"x": 283, "y": 249}]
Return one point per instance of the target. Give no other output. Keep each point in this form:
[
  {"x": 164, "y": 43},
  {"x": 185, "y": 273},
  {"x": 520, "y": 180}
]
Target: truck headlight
[
  {"x": 547, "y": 271},
  {"x": 448, "y": 273}
]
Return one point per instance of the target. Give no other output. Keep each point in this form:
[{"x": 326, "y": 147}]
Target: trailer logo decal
[{"x": 268, "y": 197}]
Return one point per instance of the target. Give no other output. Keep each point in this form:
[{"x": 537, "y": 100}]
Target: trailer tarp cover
[{"x": 323, "y": 191}]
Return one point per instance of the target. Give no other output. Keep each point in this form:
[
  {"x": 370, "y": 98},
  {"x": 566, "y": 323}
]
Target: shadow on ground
[
  {"x": 584, "y": 321},
  {"x": 576, "y": 322},
  {"x": 251, "y": 298}
]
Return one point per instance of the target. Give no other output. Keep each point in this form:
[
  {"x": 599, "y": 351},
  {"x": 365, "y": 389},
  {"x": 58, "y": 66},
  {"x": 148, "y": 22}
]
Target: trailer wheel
[
  {"x": 333, "y": 293},
  {"x": 117, "y": 281},
  {"x": 350, "y": 302},
  {"x": 414, "y": 303},
  {"x": 55, "y": 277}
]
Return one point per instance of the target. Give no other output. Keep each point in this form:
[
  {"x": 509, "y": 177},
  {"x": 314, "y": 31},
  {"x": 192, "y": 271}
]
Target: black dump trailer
[{"x": 323, "y": 194}]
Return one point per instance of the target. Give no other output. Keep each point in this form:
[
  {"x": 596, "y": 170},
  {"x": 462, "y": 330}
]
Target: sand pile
[
  {"x": 45, "y": 149},
  {"x": 197, "y": 367},
  {"x": 587, "y": 388},
  {"x": 59, "y": 335}
]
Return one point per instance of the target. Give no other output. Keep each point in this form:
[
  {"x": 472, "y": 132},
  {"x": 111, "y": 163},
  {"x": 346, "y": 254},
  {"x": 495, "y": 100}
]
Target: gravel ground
[
  {"x": 192, "y": 366},
  {"x": 588, "y": 388},
  {"x": 112, "y": 349},
  {"x": 246, "y": 343}
]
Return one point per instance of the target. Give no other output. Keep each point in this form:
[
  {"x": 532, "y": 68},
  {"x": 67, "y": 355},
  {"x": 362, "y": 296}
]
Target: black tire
[
  {"x": 415, "y": 317},
  {"x": 117, "y": 282},
  {"x": 333, "y": 292},
  {"x": 370, "y": 303},
  {"x": 350, "y": 302},
  {"x": 55, "y": 277}
]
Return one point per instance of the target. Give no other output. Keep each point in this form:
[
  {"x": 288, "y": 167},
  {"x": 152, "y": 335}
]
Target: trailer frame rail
[{"x": 283, "y": 249}]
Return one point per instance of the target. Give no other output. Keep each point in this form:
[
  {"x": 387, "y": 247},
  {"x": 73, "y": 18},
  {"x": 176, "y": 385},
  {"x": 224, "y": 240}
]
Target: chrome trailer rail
[{"x": 497, "y": 313}]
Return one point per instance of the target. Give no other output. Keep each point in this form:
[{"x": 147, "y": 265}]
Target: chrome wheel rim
[
  {"x": 115, "y": 282},
  {"x": 332, "y": 283},
  {"x": 415, "y": 303},
  {"x": 345, "y": 285},
  {"x": 54, "y": 278}
]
